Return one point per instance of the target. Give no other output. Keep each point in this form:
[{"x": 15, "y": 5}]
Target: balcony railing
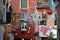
[{"x": 42, "y": 4}]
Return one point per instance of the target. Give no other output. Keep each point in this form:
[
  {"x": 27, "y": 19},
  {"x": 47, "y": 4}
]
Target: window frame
[
  {"x": 43, "y": 23},
  {"x": 43, "y": 15},
  {"x": 42, "y": 19},
  {"x": 27, "y": 5},
  {"x": 22, "y": 23}
]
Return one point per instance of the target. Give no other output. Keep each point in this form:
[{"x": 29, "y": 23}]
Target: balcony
[
  {"x": 42, "y": 4},
  {"x": 42, "y": 7}
]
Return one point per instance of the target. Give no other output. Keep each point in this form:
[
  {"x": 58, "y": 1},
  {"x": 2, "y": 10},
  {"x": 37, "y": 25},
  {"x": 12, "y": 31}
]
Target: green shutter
[{"x": 23, "y": 3}]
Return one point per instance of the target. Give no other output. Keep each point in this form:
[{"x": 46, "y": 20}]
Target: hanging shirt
[
  {"x": 52, "y": 16},
  {"x": 1, "y": 32},
  {"x": 35, "y": 17},
  {"x": 26, "y": 16},
  {"x": 22, "y": 15},
  {"x": 30, "y": 17},
  {"x": 8, "y": 7},
  {"x": 52, "y": 6}
]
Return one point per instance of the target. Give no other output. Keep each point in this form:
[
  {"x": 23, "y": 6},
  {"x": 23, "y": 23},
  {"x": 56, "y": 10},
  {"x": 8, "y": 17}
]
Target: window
[
  {"x": 43, "y": 22},
  {"x": 39, "y": 17},
  {"x": 23, "y": 3},
  {"x": 23, "y": 25},
  {"x": 34, "y": 16},
  {"x": 42, "y": 19},
  {"x": 43, "y": 16},
  {"x": 38, "y": 22}
]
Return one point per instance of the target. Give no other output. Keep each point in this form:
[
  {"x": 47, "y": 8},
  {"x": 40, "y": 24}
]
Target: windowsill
[
  {"x": 23, "y": 30},
  {"x": 24, "y": 8},
  {"x": 44, "y": 19}
]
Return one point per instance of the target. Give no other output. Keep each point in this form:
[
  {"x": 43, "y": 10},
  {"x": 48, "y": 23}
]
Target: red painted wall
[{"x": 16, "y": 6}]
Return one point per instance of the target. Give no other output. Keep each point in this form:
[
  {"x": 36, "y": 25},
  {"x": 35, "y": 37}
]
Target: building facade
[
  {"x": 23, "y": 5},
  {"x": 28, "y": 6},
  {"x": 37, "y": 7}
]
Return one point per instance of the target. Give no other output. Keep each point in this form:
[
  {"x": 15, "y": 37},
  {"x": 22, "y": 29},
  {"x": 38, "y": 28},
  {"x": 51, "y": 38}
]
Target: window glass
[
  {"x": 43, "y": 22},
  {"x": 23, "y": 25},
  {"x": 23, "y": 3},
  {"x": 43, "y": 16}
]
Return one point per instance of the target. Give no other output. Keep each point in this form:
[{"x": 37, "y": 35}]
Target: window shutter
[{"x": 23, "y": 3}]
